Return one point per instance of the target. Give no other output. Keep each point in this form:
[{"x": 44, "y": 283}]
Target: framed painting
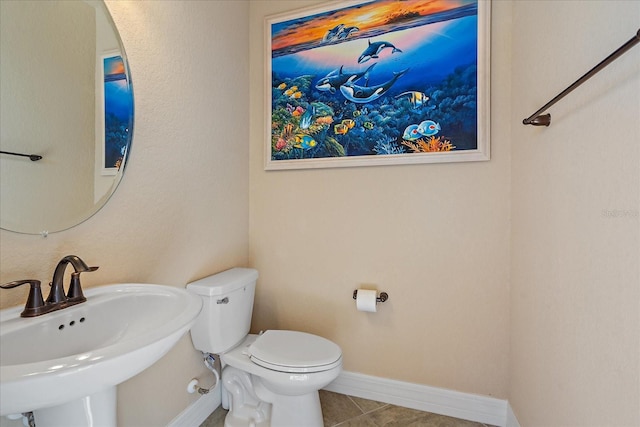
[
  {"x": 378, "y": 82},
  {"x": 118, "y": 111}
]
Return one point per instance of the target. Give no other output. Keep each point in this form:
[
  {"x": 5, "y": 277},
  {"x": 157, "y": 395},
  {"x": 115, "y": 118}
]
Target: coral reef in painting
[
  {"x": 116, "y": 140},
  {"x": 371, "y": 129}
]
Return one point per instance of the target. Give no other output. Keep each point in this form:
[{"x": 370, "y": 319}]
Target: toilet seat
[{"x": 294, "y": 352}]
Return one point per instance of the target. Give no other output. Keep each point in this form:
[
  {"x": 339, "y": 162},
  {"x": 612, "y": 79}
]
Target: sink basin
[{"x": 85, "y": 349}]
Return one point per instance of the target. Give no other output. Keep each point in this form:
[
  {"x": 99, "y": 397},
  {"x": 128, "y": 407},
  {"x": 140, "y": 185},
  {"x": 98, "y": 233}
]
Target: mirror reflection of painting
[{"x": 117, "y": 110}]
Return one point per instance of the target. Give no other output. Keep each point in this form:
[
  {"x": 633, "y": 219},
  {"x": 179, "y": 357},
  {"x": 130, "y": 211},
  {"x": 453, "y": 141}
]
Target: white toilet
[{"x": 271, "y": 379}]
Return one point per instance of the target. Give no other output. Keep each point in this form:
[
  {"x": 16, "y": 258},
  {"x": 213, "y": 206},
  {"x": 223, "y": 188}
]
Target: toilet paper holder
[{"x": 380, "y": 298}]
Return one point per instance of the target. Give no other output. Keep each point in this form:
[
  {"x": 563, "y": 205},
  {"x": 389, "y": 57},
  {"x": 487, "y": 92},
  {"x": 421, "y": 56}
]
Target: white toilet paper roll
[{"x": 366, "y": 300}]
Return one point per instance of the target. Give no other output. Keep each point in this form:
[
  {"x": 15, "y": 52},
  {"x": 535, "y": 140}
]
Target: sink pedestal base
[{"x": 96, "y": 410}]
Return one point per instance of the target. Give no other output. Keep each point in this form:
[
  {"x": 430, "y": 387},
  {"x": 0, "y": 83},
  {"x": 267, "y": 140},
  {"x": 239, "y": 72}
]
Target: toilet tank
[{"x": 225, "y": 318}]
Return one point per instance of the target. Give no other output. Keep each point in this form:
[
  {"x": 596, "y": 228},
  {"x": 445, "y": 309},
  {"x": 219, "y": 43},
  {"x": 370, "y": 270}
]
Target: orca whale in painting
[
  {"x": 364, "y": 94},
  {"x": 374, "y": 49},
  {"x": 332, "y": 81}
]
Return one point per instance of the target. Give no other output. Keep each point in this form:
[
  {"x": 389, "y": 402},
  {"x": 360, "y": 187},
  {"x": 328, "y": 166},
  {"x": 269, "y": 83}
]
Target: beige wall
[
  {"x": 575, "y": 287},
  {"x": 435, "y": 237},
  {"x": 181, "y": 211},
  {"x": 515, "y": 278}
]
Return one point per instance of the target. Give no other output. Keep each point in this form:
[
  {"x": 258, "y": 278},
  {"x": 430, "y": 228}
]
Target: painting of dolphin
[
  {"x": 333, "y": 33},
  {"x": 332, "y": 81},
  {"x": 374, "y": 49},
  {"x": 364, "y": 94},
  {"x": 347, "y": 32}
]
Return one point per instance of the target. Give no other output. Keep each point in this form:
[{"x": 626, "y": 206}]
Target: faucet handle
[
  {"x": 75, "y": 294},
  {"x": 35, "y": 303}
]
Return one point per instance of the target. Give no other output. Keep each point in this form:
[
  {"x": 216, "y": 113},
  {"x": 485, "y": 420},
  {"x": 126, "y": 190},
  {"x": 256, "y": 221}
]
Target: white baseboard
[
  {"x": 199, "y": 410},
  {"x": 441, "y": 401}
]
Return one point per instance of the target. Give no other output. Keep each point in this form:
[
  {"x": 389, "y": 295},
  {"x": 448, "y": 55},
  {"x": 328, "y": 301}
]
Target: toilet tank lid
[{"x": 224, "y": 282}]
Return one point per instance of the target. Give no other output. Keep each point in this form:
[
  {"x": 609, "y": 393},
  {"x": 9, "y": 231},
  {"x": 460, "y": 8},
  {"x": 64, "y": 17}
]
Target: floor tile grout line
[
  {"x": 354, "y": 418},
  {"x": 386, "y": 405},
  {"x": 382, "y": 405},
  {"x": 354, "y": 403}
]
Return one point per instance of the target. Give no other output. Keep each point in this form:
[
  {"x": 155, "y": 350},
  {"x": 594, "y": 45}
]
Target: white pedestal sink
[{"x": 65, "y": 365}]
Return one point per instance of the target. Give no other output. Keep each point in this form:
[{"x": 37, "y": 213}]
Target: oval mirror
[{"x": 66, "y": 113}]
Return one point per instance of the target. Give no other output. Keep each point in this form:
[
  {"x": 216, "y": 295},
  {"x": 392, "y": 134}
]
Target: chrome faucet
[{"x": 57, "y": 299}]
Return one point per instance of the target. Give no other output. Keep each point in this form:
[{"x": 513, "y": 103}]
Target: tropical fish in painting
[
  {"x": 349, "y": 123},
  {"x": 368, "y": 125},
  {"x": 306, "y": 142},
  {"x": 332, "y": 81},
  {"x": 356, "y": 113},
  {"x": 364, "y": 94},
  {"x": 306, "y": 118},
  {"x": 374, "y": 49},
  {"x": 291, "y": 90},
  {"x": 340, "y": 129},
  {"x": 296, "y": 95},
  {"x": 282, "y": 86},
  {"x": 333, "y": 33},
  {"x": 411, "y": 133},
  {"x": 416, "y": 98},
  {"x": 428, "y": 128}
]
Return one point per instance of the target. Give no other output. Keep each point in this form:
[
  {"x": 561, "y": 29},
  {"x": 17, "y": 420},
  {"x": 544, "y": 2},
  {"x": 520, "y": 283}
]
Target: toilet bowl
[
  {"x": 270, "y": 379},
  {"x": 289, "y": 380}
]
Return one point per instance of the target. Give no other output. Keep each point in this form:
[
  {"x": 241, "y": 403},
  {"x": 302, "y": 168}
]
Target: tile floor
[{"x": 340, "y": 410}]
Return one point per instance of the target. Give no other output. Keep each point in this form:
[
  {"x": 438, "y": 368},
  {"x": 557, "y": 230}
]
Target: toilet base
[
  {"x": 251, "y": 404},
  {"x": 245, "y": 408},
  {"x": 292, "y": 411}
]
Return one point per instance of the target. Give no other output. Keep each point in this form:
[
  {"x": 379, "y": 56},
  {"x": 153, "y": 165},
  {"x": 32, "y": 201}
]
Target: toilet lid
[{"x": 292, "y": 351}]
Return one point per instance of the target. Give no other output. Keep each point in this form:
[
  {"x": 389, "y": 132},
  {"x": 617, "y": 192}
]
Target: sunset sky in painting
[
  {"x": 117, "y": 97},
  {"x": 113, "y": 65},
  {"x": 364, "y": 16}
]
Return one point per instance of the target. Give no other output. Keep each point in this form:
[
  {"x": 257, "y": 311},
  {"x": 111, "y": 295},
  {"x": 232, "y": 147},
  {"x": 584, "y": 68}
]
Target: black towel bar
[
  {"x": 32, "y": 157},
  {"x": 537, "y": 119}
]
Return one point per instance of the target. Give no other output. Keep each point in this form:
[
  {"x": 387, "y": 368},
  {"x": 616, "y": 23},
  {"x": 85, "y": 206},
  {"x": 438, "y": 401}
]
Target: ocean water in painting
[{"x": 379, "y": 78}]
